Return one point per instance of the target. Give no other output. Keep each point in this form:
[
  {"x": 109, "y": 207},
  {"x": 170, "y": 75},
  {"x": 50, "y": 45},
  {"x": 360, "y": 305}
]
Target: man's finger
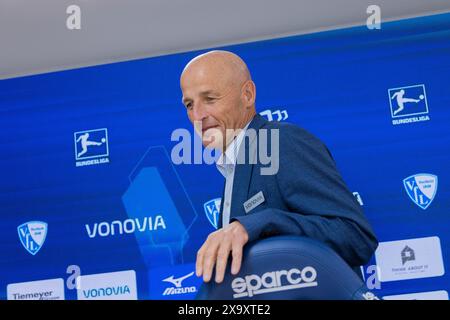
[
  {"x": 199, "y": 261},
  {"x": 209, "y": 260},
  {"x": 201, "y": 257},
  {"x": 222, "y": 259},
  {"x": 237, "y": 249}
]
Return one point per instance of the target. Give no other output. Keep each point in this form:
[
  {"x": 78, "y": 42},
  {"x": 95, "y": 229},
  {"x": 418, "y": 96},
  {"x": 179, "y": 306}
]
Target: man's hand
[{"x": 216, "y": 249}]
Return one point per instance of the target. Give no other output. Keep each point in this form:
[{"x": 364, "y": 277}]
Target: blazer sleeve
[{"x": 320, "y": 206}]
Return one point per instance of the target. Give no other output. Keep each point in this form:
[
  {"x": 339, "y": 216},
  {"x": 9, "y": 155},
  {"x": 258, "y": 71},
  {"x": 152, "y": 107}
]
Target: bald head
[
  {"x": 225, "y": 65},
  {"x": 218, "y": 93}
]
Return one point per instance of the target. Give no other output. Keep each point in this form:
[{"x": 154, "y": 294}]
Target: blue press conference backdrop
[{"x": 88, "y": 186}]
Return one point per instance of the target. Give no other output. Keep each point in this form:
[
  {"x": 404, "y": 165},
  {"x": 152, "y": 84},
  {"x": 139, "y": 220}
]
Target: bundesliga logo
[
  {"x": 408, "y": 104},
  {"x": 91, "y": 147}
]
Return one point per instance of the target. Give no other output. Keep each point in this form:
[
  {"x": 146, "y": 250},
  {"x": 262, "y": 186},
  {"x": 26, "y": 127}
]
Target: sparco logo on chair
[{"x": 274, "y": 281}]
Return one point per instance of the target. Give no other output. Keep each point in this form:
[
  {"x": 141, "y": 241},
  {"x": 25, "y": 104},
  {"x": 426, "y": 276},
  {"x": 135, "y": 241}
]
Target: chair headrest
[{"x": 288, "y": 268}]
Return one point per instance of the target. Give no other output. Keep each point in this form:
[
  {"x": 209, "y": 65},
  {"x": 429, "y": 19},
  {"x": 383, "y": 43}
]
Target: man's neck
[{"x": 237, "y": 131}]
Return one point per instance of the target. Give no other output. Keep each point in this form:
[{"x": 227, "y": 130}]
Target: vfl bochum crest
[
  {"x": 32, "y": 235},
  {"x": 421, "y": 188},
  {"x": 212, "y": 210}
]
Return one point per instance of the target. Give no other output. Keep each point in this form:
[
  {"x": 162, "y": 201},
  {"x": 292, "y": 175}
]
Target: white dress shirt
[{"x": 226, "y": 164}]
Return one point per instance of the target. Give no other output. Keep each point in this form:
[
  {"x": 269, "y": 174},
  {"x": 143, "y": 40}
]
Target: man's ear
[{"x": 249, "y": 92}]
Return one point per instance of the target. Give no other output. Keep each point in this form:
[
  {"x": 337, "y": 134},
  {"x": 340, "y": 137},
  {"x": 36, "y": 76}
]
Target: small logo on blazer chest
[{"x": 254, "y": 201}]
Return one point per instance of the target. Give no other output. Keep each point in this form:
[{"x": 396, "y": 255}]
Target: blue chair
[{"x": 288, "y": 268}]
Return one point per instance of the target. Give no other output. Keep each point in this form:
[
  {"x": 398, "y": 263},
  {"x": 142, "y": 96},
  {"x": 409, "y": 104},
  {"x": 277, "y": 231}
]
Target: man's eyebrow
[
  {"x": 203, "y": 93},
  {"x": 208, "y": 92}
]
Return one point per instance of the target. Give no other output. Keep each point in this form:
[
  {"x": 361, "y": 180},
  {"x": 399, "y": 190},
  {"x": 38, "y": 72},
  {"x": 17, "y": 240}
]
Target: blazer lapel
[
  {"x": 243, "y": 172},
  {"x": 219, "y": 222}
]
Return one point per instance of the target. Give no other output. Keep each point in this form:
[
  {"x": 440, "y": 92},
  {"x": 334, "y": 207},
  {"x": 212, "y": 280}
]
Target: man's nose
[{"x": 198, "y": 112}]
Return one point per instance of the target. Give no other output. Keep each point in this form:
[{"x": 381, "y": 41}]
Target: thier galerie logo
[
  {"x": 32, "y": 235},
  {"x": 408, "y": 104},
  {"x": 106, "y": 229},
  {"x": 421, "y": 188},
  {"x": 274, "y": 281},
  {"x": 177, "y": 282},
  {"x": 91, "y": 147}
]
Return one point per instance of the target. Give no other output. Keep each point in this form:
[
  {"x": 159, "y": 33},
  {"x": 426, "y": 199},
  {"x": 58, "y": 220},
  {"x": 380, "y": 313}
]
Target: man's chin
[{"x": 211, "y": 143}]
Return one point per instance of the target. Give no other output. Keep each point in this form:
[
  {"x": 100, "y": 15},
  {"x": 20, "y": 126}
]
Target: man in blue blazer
[{"x": 300, "y": 193}]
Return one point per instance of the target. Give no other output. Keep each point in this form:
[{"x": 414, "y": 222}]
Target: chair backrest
[{"x": 291, "y": 268}]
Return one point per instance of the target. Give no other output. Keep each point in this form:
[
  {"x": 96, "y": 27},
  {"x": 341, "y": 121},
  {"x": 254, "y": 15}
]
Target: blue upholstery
[{"x": 291, "y": 268}]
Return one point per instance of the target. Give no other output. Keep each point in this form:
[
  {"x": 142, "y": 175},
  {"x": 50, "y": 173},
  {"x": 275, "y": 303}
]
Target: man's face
[{"x": 213, "y": 102}]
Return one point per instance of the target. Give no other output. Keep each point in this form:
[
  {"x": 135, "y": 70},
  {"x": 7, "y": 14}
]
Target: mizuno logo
[{"x": 177, "y": 282}]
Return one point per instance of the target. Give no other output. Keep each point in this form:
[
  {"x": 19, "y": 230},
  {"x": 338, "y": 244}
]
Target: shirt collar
[{"x": 229, "y": 157}]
